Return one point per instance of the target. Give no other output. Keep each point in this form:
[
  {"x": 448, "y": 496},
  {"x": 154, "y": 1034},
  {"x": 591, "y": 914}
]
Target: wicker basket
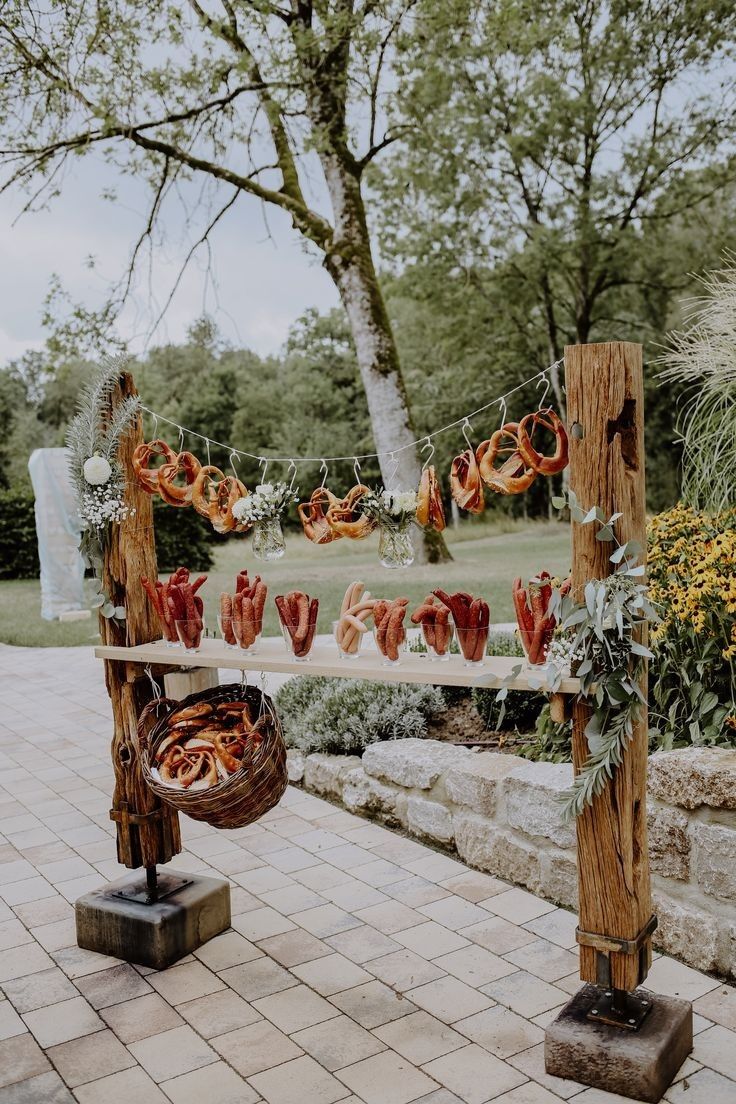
[{"x": 244, "y": 796}]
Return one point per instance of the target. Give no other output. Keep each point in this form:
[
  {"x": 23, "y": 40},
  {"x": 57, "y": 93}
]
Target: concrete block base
[
  {"x": 191, "y": 910},
  {"x": 639, "y": 1064}
]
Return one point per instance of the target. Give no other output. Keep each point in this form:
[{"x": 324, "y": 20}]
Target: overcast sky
[{"x": 264, "y": 283}]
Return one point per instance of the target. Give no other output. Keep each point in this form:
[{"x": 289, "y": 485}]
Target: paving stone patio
[{"x": 361, "y": 966}]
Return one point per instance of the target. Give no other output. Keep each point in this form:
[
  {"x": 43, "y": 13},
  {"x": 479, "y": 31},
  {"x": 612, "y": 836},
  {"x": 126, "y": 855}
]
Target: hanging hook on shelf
[
  {"x": 324, "y": 470},
  {"x": 154, "y": 433},
  {"x": 543, "y": 380},
  {"x": 291, "y": 468},
  {"x": 356, "y": 469},
  {"x": 233, "y": 454},
  {"x": 428, "y": 444},
  {"x": 181, "y": 438},
  {"x": 504, "y": 411},
  {"x": 263, "y": 461},
  {"x": 466, "y": 428},
  {"x": 209, "y": 458}
]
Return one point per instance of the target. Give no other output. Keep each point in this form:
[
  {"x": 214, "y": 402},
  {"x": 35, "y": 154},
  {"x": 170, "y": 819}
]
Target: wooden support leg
[{"x": 605, "y": 405}]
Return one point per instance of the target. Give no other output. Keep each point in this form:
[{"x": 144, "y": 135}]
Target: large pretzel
[
  {"x": 544, "y": 465},
  {"x": 312, "y": 516},
  {"x": 174, "y": 494},
  {"x": 149, "y": 477},
  {"x": 465, "y": 483},
  {"x": 214, "y": 495},
  {"x": 430, "y": 511},
  {"x": 514, "y": 476},
  {"x": 346, "y": 517}
]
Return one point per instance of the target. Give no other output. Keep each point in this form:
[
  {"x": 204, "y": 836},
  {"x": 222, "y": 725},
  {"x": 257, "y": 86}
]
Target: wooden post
[
  {"x": 147, "y": 831},
  {"x": 605, "y": 406}
]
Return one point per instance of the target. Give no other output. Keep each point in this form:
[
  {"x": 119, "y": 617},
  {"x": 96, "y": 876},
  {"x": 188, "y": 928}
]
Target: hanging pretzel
[
  {"x": 144, "y": 453},
  {"x": 544, "y": 465},
  {"x": 186, "y": 464},
  {"x": 311, "y": 514},
  {"x": 430, "y": 511},
  {"x": 346, "y": 517},
  {"x": 465, "y": 483},
  {"x": 513, "y": 477},
  {"x": 214, "y": 495}
]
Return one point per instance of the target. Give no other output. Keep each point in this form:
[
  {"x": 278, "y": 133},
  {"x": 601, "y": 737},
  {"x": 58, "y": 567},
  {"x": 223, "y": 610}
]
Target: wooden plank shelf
[{"x": 273, "y": 658}]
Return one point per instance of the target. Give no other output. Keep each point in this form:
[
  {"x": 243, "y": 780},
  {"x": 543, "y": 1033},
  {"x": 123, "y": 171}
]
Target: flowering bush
[{"x": 692, "y": 570}]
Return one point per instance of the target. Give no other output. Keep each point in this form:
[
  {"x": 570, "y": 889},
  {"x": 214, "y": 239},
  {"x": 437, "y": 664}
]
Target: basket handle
[{"x": 144, "y": 721}]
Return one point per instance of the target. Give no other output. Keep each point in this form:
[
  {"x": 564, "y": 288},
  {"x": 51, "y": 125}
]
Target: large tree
[
  {"x": 246, "y": 96},
  {"x": 555, "y": 145}
]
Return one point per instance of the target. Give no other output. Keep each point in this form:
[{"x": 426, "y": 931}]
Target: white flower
[
  {"x": 240, "y": 508},
  {"x": 97, "y": 470},
  {"x": 265, "y": 489}
]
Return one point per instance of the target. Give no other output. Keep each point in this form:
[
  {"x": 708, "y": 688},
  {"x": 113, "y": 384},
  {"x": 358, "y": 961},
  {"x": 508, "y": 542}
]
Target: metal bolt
[
  {"x": 608, "y": 992},
  {"x": 632, "y": 1021},
  {"x": 594, "y": 1011}
]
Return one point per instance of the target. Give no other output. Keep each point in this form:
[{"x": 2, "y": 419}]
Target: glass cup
[
  {"x": 392, "y": 660},
  {"x": 268, "y": 539},
  {"x": 473, "y": 644},
  {"x": 247, "y": 635},
  {"x": 225, "y": 625},
  {"x": 349, "y": 646},
  {"x": 438, "y": 639},
  {"x": 300, "y": 656},
  {"x": 190, "y": 634}
]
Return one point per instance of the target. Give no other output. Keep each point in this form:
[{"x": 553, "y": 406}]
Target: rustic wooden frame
[{"x": 605, "y": 412}]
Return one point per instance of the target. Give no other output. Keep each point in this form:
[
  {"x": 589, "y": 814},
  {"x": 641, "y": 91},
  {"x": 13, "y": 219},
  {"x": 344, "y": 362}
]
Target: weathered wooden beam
[
  {"x": 605, "y": 405},
  {"x": 147, "y": 831}
]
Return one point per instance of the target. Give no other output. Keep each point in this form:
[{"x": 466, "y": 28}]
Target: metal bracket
[
  {"x": 618, "y": 1008},
  {"x": 140, "y": 892},
  {"x": 606, "y": 945},
  {"x": 122, "y": 816}
]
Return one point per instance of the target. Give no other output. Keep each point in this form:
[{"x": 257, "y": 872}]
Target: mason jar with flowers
[
  {"x": 394, "y": 511},
  {"x": 263, "y": 510}
]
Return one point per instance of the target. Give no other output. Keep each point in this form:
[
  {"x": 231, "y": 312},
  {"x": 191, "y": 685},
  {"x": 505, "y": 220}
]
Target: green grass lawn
[{"x": 485, "y": 562}]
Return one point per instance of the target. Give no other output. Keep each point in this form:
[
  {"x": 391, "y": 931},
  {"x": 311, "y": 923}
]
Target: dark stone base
[
  {"x": 153, "y": 934},
  {"x": 638, "y": 1064}
]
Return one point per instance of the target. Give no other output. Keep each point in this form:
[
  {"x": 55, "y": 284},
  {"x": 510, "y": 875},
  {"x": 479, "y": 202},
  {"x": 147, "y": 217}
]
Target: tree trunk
[{"x": 350, "y": 264}]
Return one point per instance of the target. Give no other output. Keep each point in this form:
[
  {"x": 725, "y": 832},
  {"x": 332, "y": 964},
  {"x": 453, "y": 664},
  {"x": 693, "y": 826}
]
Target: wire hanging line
[{"x": 538, "y": 379}]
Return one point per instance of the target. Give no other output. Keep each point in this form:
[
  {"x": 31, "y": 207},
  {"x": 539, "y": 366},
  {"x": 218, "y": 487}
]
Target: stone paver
[{"x": 361, "y": 967}]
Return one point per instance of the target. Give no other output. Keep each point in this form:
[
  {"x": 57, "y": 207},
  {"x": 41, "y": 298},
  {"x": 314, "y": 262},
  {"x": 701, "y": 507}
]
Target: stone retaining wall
[{"x": 501, "y": 814}]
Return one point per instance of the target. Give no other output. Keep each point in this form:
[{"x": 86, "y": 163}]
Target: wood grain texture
[
  {"x": 147, "y": 832},
  {"x": 605, "y": 398}
]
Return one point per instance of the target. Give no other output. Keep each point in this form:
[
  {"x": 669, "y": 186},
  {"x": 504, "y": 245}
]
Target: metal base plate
[
  {"x": 626, "y": 1010},
  {"x": 139, "y": 892}
]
